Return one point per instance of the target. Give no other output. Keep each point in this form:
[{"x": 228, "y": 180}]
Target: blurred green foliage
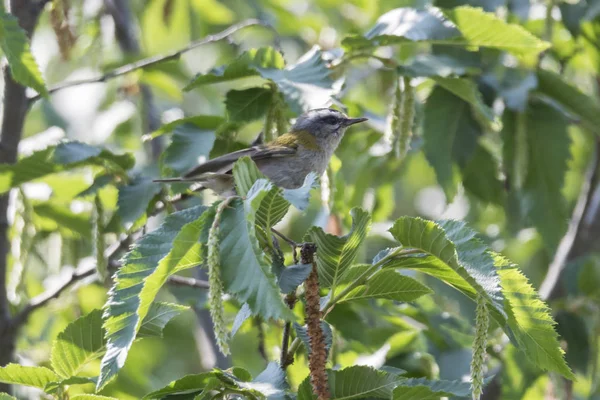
[{"x": 505, "y": 116}]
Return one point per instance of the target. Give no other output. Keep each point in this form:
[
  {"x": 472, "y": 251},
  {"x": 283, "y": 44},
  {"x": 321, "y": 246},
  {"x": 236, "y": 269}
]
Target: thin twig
[
  {"x": 285, "y": 358},
  {"x": 261, "y": 338},
  {"x": 566, "y": 244},
  {"x": 151, "y": 61},
  {"x": 178, "y": 280},
  {"x": 286, "y": 239}
]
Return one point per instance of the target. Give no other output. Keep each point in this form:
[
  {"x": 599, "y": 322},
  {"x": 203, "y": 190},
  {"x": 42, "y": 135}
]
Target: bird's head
[{"x": 325, "y": 123}]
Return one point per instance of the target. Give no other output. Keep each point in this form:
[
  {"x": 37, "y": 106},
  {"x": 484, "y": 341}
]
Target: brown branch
[
  {"x": 317, "y": 358},
  {"x": 152, "y": 61},
  {"x": 15, "y": 109}
]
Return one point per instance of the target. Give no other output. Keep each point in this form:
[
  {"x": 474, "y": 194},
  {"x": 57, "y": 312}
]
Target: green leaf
[
  {"x": 388, "y": 284},
  {"x": 244, "y": 66},
  {"x": 480, "y": 177},
  {"x": 242, "y": 316},
  {"x": 134, "y": 199},
  {"x": 402, "y": 25},
  {"x": 558, "y": 89},
  {"x": 336, "y": 254},
  {"x": 74, "y": 153},
  {"x": 484, "y": 29},
  {"x": 16, "y": 374},
  {"x": 52, "y": 217},
  {"x": 44, "y": 162},
  {"x": 469, "y": 27},
  {"x": 81, "y": 342},
  {"x": 68, "y": 153},
  {"x": 5, "y": 396},
  {"x": 440, "y": 65},
  {"x": 247, "y": 105},
  {"x": 203, "y": 122},
  {"x": 542, "y": 199},
  {"x": 158, "y": 317},
  {"x": 302, "y": 333},
  {"x": 172, "y": 247},
  {"x": 530, "y": 320},
  {"x": 91, "y": 397},
  {"x": 270, "y": 382},
  {"x": 300, "y": 197},
  {"x": 245, "y": 174},
  {"x": 188, "y": 143},
  {"x": 245, "y": 269},
  {"x": 467, "y": 90},
  {"x": 53, "y": 387},
  {"x": 187, "y": 384},
  {"x": 456, "y": 256},
  {"x": 424, "y": 389},
  {"x": 15, "y": 45},
  {"x": 450, "y": 134},
  {"x": 354, "y": 383},
  {"x": 306, "y": 84},
  {"x": 293, "y": 276}
]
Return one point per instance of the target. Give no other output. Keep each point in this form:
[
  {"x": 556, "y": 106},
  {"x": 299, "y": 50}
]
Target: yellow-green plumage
[{"x": 296, "y": 138}]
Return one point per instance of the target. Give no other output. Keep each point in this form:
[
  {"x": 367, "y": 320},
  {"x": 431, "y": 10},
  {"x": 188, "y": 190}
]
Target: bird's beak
[{"x": 352, "y": 121}]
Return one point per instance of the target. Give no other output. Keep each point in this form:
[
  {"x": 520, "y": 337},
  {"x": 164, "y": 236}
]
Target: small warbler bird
[{"x": 287, "y": 160}]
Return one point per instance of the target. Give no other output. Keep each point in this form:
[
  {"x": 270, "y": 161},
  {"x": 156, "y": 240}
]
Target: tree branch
[
  {"x": 14, "y": 112},
  {"x": 564, "y": 250},
  {"x": 151, "y": 61}
]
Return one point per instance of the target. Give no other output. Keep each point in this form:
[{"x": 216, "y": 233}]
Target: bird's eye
[{"x": 330, "y": 120}]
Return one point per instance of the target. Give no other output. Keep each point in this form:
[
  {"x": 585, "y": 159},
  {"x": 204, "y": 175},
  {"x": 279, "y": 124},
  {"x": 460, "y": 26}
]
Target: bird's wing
[{"x": 224, "y": 163}]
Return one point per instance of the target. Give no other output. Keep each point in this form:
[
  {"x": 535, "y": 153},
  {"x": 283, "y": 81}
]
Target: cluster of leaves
[{"x": 443, "y": 107}]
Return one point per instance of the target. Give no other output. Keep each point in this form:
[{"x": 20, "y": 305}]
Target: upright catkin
[
  {"x": 318, "y": 354},
  {"x": 99, "y": 242},
  {"x": 482, "y": 320},
  {"x": 215, "y": 292},
  {"x": 407, "y": 115},
  {"x": 392, "y": 133}
]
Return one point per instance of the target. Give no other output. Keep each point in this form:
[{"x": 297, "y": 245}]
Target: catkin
[
  {"x": 406, "y": 119},
  {"x": 215, "y": 293},
  {"x": 98, "y": 236},
  {"x": 479, "y": 348},
  {"x": 317, "y": 358}
]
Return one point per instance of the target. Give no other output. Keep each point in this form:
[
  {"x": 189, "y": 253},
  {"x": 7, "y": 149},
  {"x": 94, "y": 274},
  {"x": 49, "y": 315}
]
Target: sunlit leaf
[
  {"x": 356, "y": 382},
  {"x": 387, "y": 284},
  {"x": 17, "y": 374},
  {"x": 172, "y": 247},
  {"x": 335, "y": 254},
  {"x": 15, "y": 45}
]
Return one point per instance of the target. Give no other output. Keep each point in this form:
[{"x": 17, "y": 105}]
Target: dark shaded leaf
[
  {"x": 247, "y": 105},
  {"x": 293, "y": 276}
]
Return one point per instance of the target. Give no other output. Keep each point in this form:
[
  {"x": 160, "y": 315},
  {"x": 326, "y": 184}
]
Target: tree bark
[{"x": 15, "y": 109}]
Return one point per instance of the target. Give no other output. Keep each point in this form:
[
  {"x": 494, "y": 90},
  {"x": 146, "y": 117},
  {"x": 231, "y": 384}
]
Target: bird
[{"x": 285, "y": 161}]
